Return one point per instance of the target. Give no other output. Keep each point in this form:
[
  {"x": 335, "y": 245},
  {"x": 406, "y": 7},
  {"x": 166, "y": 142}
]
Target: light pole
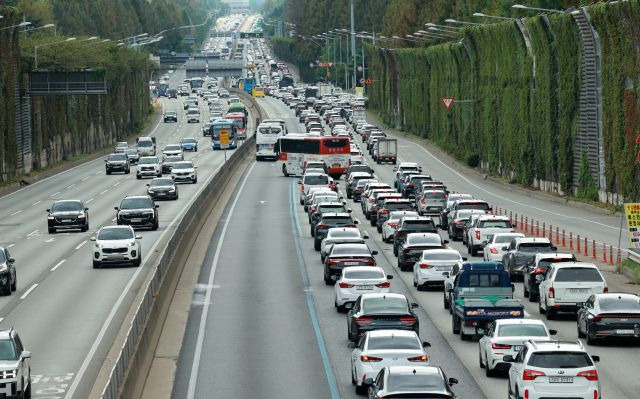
[
  {"x": 443, "y": 32},
  {"x": 20, "y": 25},
  {"x": 482, "y": 15},
  {"x": 431, "y": 34},
  {"x": 353, "y": 44},
  {"x": 523, "y": 7},
  {"x": 455, "y": 21},
  {"x": 452, "y": 29},
  {"x": 35, "y": 49},
  {"x": 41, "y": 27}
]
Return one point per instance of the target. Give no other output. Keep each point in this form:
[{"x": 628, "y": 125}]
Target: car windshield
[
  {"x": 504, "y": 224},
  {"x": 393, "y": 342},
  {"x": 439, "y": 256},
  {"x": 145, "y": 143},
  {"x": 183, "y": 165},
  {"x": 189, "y": 141},
  {"x": 132, "y": 151},
  {"x": 560, "y": 360},
  {"x": 115, "y": 234},
  {"x": 483, "y": 206},
  {"x": 136, "y": 203},
  {"x": 363, "y": 274},
  {"x": 421, "y": 239},
  {"x": 316, "y": 180},
  {"x": 172, "y": 147},
  {"x": 535, "y": 247},
  {"x": 503, "y": 239},
  {"x": 465, "y": 214},
  {"x": 586, "y": 274},
  {"x": 329, "y": 208},
  {"x": 617, "y": 304},
  {"x": 325, "y": 198},
  {"x": 148, "y": 160},
  {"x": 345, "y": 234},
  {"x": 383, "y": 304},
  {"x": 117, "y": 157},
  {"x": 415, "y": 382},
  {"x": 66, "y": 206},
  {"x": 522, "y": 330},
  {"x": 7, "y": 350},
  {"x": 350, "y": 250},
  {"x": 545, "y": 263},
  {"x": 161, "y": 182},
  {"x": 397, "y": 205},
  {"x": 171, "y": 113}
]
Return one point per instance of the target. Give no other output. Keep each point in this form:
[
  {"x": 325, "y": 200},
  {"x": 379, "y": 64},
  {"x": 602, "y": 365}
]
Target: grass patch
[{"x": 634, "y": 268}]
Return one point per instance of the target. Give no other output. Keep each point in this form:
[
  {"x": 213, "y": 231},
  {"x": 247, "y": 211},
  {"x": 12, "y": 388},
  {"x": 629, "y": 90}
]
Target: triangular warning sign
[{"x": 447, "y": 101}]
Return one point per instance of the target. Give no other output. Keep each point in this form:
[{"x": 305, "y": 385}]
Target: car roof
[
  {"x": 405, "y": 164},
  {"x": 554, "y": 345},
  {"x": 520, "y": 240},
  {"x": 585, "y": 265},
  {"x": 382, "y": 295},
  {"x": 315, "y": 174},
  {"x": 500, "y": 322},
  {"x": 335, "y": 214},
  {"x": 389, "y": 333},
  {"x": 68, "y": 200},
  {"x": 414, "y": 370},
  {"x": 113, "y": 227},
  {"x": 441, "y": 250},
  {"x": 424, "y": 235},
  {"x": 559, "y": 255},
  {"x": 421, "y": 218},
  {"x": 492, "y": 217},
  {"x": 137, "y": 196}
]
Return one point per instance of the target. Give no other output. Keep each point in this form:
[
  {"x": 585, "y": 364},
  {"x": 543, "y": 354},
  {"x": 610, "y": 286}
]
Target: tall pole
[
  {"x": 335, "y": 77},
  {"x": 353, "y": 45},
  {"x": 363, "y": 74}
]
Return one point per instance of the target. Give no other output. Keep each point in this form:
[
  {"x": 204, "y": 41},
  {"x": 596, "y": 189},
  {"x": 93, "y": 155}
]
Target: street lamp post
[
  {"x": 523, "y": 7},
  {"x": 35, "y": 49},
  {"x": 20, "y": 25},
  {"x": 455, "y": 21},
  {"x": 482, "y": 15}
]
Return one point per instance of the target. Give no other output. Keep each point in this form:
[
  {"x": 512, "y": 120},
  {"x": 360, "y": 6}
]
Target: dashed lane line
[
  {"x": 36, "y": 203},
  {"x": 16, "y": 212},
  {"x": 81, "y": 244},
  {"x": 33, "y": 287},
  {"x": 53, "y": 269}
]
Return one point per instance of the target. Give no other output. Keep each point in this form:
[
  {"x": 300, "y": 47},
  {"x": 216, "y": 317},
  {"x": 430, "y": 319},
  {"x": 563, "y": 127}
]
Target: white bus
[{"x": 267, "y": 135}]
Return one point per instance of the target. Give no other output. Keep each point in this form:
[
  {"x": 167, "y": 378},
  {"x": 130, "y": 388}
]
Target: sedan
[
  {"x": 172, "y": 150},
  {"x": 356, "y": 280},
  {"x": 168, "y": 162},
  {"x": 378, "y": 349},
  {"x": 343, "y": 255},
  {"x": 121, "y": 147},
  {"x": 380, "y": 312},
  {"x": 413, "y": 246},
  {"x": 434, "y": 266},
  {"x": 132, "y": 155},
  {"x": 340, "y": 235},
  {"x": 506, "y": 337},
  {"x": 609, "y": 316},
  {"x": 162, "y": 188},
  {"x": 184, "y": 171},
  {"x": 411, "y": 382},
  {"x": 493, "y": 252},
  {"x": 189, "y": 144},
  {"x": 116, "y": 245},
  {"x": 67, "y": 214}
]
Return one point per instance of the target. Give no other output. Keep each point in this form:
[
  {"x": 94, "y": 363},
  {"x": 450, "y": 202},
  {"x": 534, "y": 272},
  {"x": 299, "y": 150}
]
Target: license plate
[
  {"x": 136, "y": 220},
  {"x": 351, "y": 263},
  {"x": 443, "y": 268},
  {"x": 578, "y": 290},
  {"x": 364, "y": 287},
  {"x": 516, "y": 348},
  {"x": 561, "y": 380},
  {"x": 116, "y": 257},
  {"x": 625, "y": 332},
  {"x": 162, "y": 193},
  {"x": 67, "y": 220}
]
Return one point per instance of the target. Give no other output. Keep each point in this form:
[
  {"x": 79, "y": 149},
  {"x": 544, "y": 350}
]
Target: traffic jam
[{"x": 445, "y": 242}]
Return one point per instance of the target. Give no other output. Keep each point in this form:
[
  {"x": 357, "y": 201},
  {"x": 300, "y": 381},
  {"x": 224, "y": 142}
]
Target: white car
[
  {"x": 313, "y": 180},
  {"x": 493, "y": 252},
  {"x": 381, "y": 348},
  {"x": 315, "y": 191},
  {"x": 357, "y": 280},
  {"x": 184, "y": 171},
  {"x": 389, "y": 225},
  {"x": 148, "y": 166},
  {"x": 121, "y": 147},
  {"x": 483, "y": 228},
  {"x": 172, "y": 150},
  {"x": 116, "y": 245},
  {"x": 340, "y": 235},
  {"x": 566, "y": 286},
  {"x": 434, "y": 266},
  {"x": 557, "y": 369},
  {"x": 506, "y": 337}
]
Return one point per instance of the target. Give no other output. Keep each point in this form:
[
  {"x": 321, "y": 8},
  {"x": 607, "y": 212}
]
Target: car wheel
[
  {"x": 126, "y": 172},
  {"x": 580, "y": 333},
  {"x": 155, "y": 225},
  {"x": 194, "y": 181},
  {"x": 379, "y": 229},
  {"x": 316, "y": 244},
  {"x": 284, "y": 172},
  {"x": 455, "y": 325},
  {"x": 372, "y": 222},
  {"x": 96, "y": 264},
  {"x": 27, "y": 393},
  {"x": 445, "y": 302},
  {"x": 14, "y": 285},
  {"x": 361, "y": 389},
  {"x": 85, "y": 227},
  {"x": 159, "y": 174},
  {"x": 540, "y": 310},
  {"x": 138, "y": 177},
  {"x": 474, "y": 251},
  {"x": 551, "y": 313},
  {"x": 526, "y": 291},
  {"x": 108, "y": 172},
  {"x": 533, "y": 297},
  {"x": 52, "y": 230},
  {"x": 138, "y": 261}
]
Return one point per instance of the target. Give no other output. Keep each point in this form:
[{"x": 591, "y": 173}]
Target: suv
[
  {"x": 548, "y": 368},
  {"x": 329, "y": 220},
  {"x": 534, "y": 272},
  {"x": 521, "y": 251},
  {"x": 483, "y": 228},
  {"x": 8, "y": 279},
  {"x": 148, "y": 166},
  {"x": 566, "y": 286},
  {"x": 193, "y": 115},
  {"x": 388, "y": 205},
  {"x": 411, "y": 224},
  {"x": 170, "y": 116},
  {"x": 413, "y": 246},
  {"x": 15, "y": 366},
  {"x": 117, "y": 163},
  {"x": 409, "y": 188},
  {"x": 67, "y": 214},
  {"x": 138, "y": 211},
  {"x": 116, "y": 245}
]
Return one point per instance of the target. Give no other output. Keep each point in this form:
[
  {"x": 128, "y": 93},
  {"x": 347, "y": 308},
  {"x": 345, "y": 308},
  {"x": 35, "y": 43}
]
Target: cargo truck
[{"x": 386, "y": 150}]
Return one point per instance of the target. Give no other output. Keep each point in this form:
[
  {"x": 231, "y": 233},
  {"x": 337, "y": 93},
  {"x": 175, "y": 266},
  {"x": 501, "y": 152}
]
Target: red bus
[
  {"x": 240, "y": 123},
  {"x": 295, "y": 150}
]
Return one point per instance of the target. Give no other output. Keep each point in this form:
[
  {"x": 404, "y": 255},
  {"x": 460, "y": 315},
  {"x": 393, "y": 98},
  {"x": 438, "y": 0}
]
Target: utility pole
[{"x": 353, "y": 46}]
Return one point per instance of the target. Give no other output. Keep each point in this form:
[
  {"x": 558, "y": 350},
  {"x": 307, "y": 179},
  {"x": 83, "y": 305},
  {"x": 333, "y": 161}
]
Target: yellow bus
[{"x": 258, "y": 91}]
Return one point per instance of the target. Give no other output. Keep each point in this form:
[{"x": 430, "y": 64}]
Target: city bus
[
  {"x": 221, "y": 125},
  {"x": 267, "y": 135},
  {"x": 258, "y": 91},
  {"x": 238, "y": 107},
  {"x": 196, "y": 83},
  {"x": 240, "y": 123},
  {"x": 295, "y": 150}
]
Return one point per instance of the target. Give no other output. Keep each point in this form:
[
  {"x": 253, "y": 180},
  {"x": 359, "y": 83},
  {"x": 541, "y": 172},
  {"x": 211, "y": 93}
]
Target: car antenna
[{"x": 414, "y": 371}]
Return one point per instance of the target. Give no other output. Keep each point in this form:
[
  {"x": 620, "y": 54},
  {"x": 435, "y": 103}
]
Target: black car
[
  {"x": 8, "y": 278},
  {"x": 172, "y": 93},
  {"x": 167, "y": 163},
  {"x": 68, "y": 214},
  {"x": 388, "y": 206},
  {"x": 162, "y": 188},
  {"x": 132, "y": 155},
  {"x": 138, "y": 211},
  {"x": 381, "y": 311},
  {"x": 353, "y": 182},
  {"x": 321, "y": 209},
  {"x": 170, "y": 116},
  {"x": 117, "y": 163},
  {"x": 412, "y": 182},
  {"x": 609, "y": 316},
  {"x": 413, "y": 245},
  {"x": 327, "y": 221},
  {"x": 411, "y": 224},
  {"x": 343, "y": 255}
]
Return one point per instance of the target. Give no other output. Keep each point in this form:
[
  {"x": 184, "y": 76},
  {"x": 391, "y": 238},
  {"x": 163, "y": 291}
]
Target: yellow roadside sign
[
  {"x": 632, "y": 213},
  {"x": 224, "y": 138}
]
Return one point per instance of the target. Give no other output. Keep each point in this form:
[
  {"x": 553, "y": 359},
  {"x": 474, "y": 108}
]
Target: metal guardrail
[{"x": 55, "y": 83}]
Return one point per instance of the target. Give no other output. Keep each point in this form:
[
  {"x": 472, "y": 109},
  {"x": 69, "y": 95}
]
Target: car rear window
[
  {"x": 398, "y": 205},
  {"x": 336, "y": 220},
  {"x": 418, "y": 225},
  {"x": 393, "y": 342},
  {"x": 545, "y": 263},
  {"x": 505, "y": 239},
  {"x": 522, "y": 330},
  {"x": 338, "y": 207},
  {"x": 619, "y": 305},
  {"x": 535, "y": 247},
  {"x": 585, "y": 274},
  {"x": 363, "y": 274},
  {"x": 484, "y": 280},
  {"x": 437, "y": 195},
  {"x": 415, "y": 382},
  {"x": 503, "y": 224},
  {"x": 560, "y": 360},
  {"x": 350, "y": 250},
  {"x": 422, "y": 239},
  {"x": 483, "y": 206},
  {"x": 384, "y": 305},
  {"x": 345, "y": 234},
  {"x": 441, "y": 256},
  {"x": 316, "y": 180}
]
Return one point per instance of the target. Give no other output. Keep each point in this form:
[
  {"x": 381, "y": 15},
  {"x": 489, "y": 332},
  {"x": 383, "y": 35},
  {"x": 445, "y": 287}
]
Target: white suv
[
  {"x": 566, "y": 286},
  {"x": 15, "y": 368},
  {"x": 148, "y": 166},
  {"x": 558, "y": 369},
  {"x": 116, "y": 245}
]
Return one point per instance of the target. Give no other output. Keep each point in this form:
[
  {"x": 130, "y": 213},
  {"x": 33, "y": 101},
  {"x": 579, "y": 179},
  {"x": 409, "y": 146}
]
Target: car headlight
[
  {"x": 3, "y": 267},
  {"x": 82, "y": 216},
  {"x": 9, "y": 373},
  {"x": 172, "y": 189},
  {"x": 150, "y": 191},
  {"x": 99, "y": 245},
  {"x": 50, "y": 217},
  {"x": 132, "y": 244}
]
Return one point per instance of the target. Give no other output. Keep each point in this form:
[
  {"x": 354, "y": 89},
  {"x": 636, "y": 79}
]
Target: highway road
[{"x": 66, "y": 312}]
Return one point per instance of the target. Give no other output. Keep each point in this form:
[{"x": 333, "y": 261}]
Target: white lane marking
[
  {"x": 56, "y": 193},
  {"x": 81, "y": 244},
  {"x": 71, "y": 186},
  {"x": 16, "y": 212},
  {"x": 102, "y": 192},
  {"x": 97, "y": 173},
  {"x": 33, "y": 287},
  {"x": 36, "y": 203},
  {"x": 1, "y": 318},
  {"x": 116, "y": 184},
  {"x": 33, "y": 233},
  {"x": 10, "y": 245},
  {"x": 50, "y": 240},
  {"x": 53, "y": 269},
  {"x": 113, "y": 220},
  {"x": 85, "y": 178},
  {"x": 205, "y": 310},
  {"x": 89, "y": 200}
]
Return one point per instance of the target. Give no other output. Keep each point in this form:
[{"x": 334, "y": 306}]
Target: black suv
[
  {"x": 68, "y": 214},
  {"x": 325, "y": 207},
  {"x": 411, "y": 224},
  {"x": 170, "y": 116},
  {"x": 162, "y": 188},
  {"x": 117, "y": 163},
  {"x": 410, "y": 185},
  {"x": 389, "y": 205},
  {"x": 329, "y": 220},
  {"x": 8, "y": 280},
  {"x": 168, "y": 162},
  {"x": 413, "y": 246},
  {"x": 138, "y": 211}
]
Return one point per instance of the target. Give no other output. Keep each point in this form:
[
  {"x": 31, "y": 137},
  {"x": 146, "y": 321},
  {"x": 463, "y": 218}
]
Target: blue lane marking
[{"x": 295, "y": 224}]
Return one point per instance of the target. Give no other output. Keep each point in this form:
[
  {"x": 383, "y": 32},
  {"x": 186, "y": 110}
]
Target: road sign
[
  {"x": 224, "y": 139},
  {"x": 632, "y": 213},
  {"x": 447, "y": 101}
]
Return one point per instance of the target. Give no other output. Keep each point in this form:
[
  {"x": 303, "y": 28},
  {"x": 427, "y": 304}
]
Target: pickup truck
[
  {"x": 386, "y": 151},
  {"x": 483, "y": 228},
  {"x": 481, "y": 293}
]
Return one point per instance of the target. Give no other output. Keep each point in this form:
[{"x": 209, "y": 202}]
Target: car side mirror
[
  {"x": 299, "y": 181},
  {"x": 368, "y": 381},
  {"x": 445, "y": 274},
  {"x": 595, "y": 358},
  {"x": 453, "y": 381},
  {"x": 25, "y": 354},
  {"x": 356, "y": 222},
  {"x": 553, "y": 332},
  {"x": 389, "y": 277},
  {"x": 351, "y": 345},
  {"x": 48, "y": 210},
  {"x": 539, "y": 278},
  {"x": 365, "y": 236},
  {"x": 86, "y": 209},
  {"x": 505, "y": 248},
  {"x": 11, "y": 260},
  {"x": 450, "y": 289},
  {"x": 425, "y": 344},
  {"x": 508, "y": 358},
  {"x": 105, "y": 160},
  {"x": 464, "y": 258},
  {"x": 92, "y": 239},
  {"x": 156, "y": 206},
  {"x": 115, "y": 207},
  {"x": 348, "y": 305},
  {"x": 138, "y": 237},
  {"x": 414, "y": 305},
  {"x": 554, "y": 248},
  {"x": 374, "y": 252},
  {"x": 446, "y": 241},
  {"x": 148, "y": 185}
]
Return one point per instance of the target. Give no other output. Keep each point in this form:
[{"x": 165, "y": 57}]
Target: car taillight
[
  {"x": 350, "y": 225},
  {"x": 596, "y": 318},
  {"x": 384, "y": 211},
  {"x": 371, "y": 200},
  {"x": 386, "y": 284},
  {"x": 410, "y": 185},
  {"x": 530, "y": 375},
  {"x": 364, "y": 321},
  {"x": 365, "y": 358},
  {"x": 477, "y": 234},
  {"x": 552, "y": 292},
  {"x": 302, "y": 188},
  {"x": 493, "y": 250},
  {"x": 393, "y": 224},
  {"x": 425, "y": 266},
  {"x": 500, "y": 346},
  {"x": 459, "y": 221},
  {"x": 423, "y": 358},
  {"x": 408, "y": 320},
  {"x": 358, "y": 189},
  {"x": 321, "y": 226},
  {"x": 537, "y": 270},
  {"x": 591, "y": 375},
  {"x": 605, "y": 290},
  {"x": 345, "y": 285}
]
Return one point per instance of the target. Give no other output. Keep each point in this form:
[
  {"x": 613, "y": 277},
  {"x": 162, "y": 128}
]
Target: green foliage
[{"x": 587, "y": 188}]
